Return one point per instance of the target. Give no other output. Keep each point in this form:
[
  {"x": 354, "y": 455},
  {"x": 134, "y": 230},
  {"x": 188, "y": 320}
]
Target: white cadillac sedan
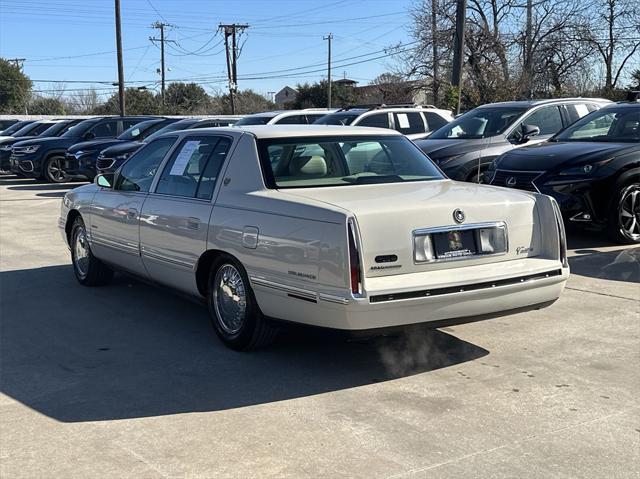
[{"x": 348, "y": 228}]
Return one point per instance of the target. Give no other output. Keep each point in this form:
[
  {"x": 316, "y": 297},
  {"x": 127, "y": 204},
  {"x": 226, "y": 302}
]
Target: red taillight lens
[{"x": 354, "y": 263}]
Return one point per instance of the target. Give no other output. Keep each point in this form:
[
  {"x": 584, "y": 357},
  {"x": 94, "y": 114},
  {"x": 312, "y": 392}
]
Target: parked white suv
[
  {"x": 284, "y": 117},
  {"x": 413, "y": 121}
]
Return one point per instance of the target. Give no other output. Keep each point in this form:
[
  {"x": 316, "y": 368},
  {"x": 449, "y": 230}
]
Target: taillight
[
  {"x": 354, "y": 262},
  {"x": 562, "y": 235}
]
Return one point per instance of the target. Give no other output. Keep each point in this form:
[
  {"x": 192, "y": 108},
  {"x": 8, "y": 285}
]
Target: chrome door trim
[
  {"x": 118, "y": 246},
  {"x": 165, "y": 259},
  {"x": 283, "y": 287}
]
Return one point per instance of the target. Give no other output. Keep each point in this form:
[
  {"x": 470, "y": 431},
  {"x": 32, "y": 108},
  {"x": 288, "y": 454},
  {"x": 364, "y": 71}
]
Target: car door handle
[
  {"x": 193, "y": 223},
  {"x": 132, "y": 214}
]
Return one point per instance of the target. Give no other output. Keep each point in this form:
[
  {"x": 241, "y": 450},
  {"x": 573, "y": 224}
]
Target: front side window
[
  {"x": 548, "y": 119},
  {"x": 479, "y": 123},
  {"x": 340, "y": 161},
  {"x": 138, "y": 172},
  {"x": 193, "y": 168},
  {"x": 607, "y": 124},
  {"x": 408, "y": 123},
  {"x": 377, "y": 120}
]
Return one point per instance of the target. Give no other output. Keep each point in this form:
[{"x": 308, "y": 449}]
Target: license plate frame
[{"x": 455, "y": 243}]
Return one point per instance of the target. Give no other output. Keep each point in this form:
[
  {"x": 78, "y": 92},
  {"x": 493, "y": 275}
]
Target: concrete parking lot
[{"x": 129, "y": 381}]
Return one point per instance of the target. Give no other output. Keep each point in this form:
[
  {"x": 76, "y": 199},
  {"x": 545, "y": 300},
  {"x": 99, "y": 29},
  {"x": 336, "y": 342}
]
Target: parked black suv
[
  {"x": 111, "y": 158},
  {"x": 43, "y": 157},
  {"x": 465, "y": 148},
  {"x": 80, "y": 159},
  {"x": 592, "y": 169},
  {"x": 40, "y": 129}
]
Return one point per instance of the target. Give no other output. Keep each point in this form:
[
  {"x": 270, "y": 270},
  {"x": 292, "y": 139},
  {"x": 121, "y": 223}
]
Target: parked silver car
[{"x": 348, "y": 228}]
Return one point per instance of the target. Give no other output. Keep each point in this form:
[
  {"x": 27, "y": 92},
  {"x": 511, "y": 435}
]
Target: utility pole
[
  {"x": 329, "y": 38},
  {"x": 120, "y": 63},
  {"x": 17, "y": 62},
  {"x": 230, "y": 30},
  {"x": 458, "y": 53},
  {"x": 528, "y": 63},
  {"x": 160, "y": 26}
]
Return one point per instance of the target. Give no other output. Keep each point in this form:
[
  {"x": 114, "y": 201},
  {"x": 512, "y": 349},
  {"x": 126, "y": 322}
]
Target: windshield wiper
[{"x": 360, "y": 180}]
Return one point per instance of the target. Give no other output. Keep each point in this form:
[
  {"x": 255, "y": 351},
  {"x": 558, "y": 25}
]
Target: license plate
[{"x": 455, "y": 244}]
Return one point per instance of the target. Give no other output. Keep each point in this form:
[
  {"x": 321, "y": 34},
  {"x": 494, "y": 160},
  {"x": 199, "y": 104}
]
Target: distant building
[
  {"x": 286, "y": 95},
  {"x": 345, "y": 82}
]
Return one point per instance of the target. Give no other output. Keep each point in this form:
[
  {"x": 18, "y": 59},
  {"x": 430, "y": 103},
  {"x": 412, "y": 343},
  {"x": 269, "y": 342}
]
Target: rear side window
[
  {"x": 107, "y": 129},
  {"x": 128, "y": 123},
  {"x": 312, "y": 118},
  {"x": 408, "y": 123},
  {"x": 378, "y": 120},
  {"x": 193, "y": 168},
  {"x": 434, "y": 121},
  {"x": 137, "y": 173},
  {"x": 577, "y": 111},
  {"x": 548, "y": 119}
]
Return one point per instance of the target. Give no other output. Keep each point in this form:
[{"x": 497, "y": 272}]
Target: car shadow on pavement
[
  {"x": 45, "y": 186},
  {"x": 620, "y": 265},
  {"x": 130, "y": 350}
]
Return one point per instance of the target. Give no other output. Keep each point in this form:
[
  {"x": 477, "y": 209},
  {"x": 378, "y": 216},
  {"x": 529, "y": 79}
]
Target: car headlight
[
  {"x": 80, "y": 153},
  {"x": 577, "y": 171},
  {"x": 30, "y": 149}
]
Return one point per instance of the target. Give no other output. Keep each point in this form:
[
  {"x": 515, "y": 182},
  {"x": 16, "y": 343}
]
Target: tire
[
  {"x": 624, "y": 215},
  {"x": 89, "y": 270},
  {"x": 52, "y": 170},
  {"x": 235, "y": 315}
]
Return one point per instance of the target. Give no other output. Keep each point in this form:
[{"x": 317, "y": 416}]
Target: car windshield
[
  {"x": 15, "y": 127},
  {"x": 33, "y": 129},
  {"x": 79, "y": 129},
  {"x": 136, "y": 131},
  {"x": 343, "y": 161},
  {"x": 479, "y": 123},
  {"x": 344, "y": 118},
  {"x": 178, "y": 125},
  {"x": 255, "y": 120},
  {"x": 57, "y": 129},
  {"x": 607, "y": 124}
]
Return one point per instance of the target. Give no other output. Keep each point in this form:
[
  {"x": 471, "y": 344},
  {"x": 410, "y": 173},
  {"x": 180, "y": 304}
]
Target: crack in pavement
[
  {"x": 519, "y": 441},
  {"x": 602, "y": 294}
]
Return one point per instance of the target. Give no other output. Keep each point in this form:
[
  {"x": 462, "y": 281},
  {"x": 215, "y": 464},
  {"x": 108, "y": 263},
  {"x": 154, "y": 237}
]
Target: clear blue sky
[{"x": 60, "y": 39}]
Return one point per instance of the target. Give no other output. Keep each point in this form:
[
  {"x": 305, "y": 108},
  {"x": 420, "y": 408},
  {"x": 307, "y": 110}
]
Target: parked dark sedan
[
  {"x": 465, "y": 148},
  {"x": 592, "y": 169},
  {"x": 80, "y": 159},
  {"x": 41, "y": 129},
  {"x": 111, "y": 158},
  {"x": 43, "y": 158}
]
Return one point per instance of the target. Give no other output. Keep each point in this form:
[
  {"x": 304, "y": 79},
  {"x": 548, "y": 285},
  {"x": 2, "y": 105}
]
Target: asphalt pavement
[{"x": 129, "y": 381}]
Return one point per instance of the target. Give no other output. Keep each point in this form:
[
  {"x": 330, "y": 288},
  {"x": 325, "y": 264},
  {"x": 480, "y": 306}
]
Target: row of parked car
[{"x": 585, "y": 152}]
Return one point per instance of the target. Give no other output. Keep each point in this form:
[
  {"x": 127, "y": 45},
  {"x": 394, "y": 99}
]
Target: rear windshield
[
  {"x": 337, "y": 119},
  {"x": 479, "y": 123},
  {"x": 343, "y": 161}
]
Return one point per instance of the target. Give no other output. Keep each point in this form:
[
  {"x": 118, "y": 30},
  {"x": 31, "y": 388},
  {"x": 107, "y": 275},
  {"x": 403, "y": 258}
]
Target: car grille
[
  {"x": 522, "y": 180},
  {"x": 104, "y": 163}
]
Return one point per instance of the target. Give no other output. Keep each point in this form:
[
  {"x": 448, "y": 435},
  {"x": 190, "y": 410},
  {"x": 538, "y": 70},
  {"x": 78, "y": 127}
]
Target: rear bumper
[{"x": 392, "y": 301}]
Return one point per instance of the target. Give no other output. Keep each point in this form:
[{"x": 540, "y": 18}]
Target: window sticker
[
  {"x": 403, "y": 119},
  {"x": 180, "y": 165}
]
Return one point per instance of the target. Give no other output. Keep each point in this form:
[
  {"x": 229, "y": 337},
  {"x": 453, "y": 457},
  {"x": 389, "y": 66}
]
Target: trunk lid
[{"x": 388, "y": 214}]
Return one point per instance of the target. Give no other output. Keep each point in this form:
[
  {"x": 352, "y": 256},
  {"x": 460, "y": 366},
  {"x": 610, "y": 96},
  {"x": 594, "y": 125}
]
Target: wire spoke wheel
[
  {"x": 230, "y": 298},
  {"x": 81, "y": 252}
]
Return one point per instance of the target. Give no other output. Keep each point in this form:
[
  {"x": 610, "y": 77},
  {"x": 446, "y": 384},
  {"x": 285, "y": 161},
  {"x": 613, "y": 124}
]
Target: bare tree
[
  {"x": 83, "y": 102},
  {"x": 615, "y": 34}
]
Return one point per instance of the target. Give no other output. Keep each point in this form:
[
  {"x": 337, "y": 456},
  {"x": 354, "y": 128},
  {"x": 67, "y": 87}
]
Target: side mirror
[
  {"x": 89, "y": 135},
  {"x": 528, "y": 132},
  {"x": 105, "y": 180}
]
